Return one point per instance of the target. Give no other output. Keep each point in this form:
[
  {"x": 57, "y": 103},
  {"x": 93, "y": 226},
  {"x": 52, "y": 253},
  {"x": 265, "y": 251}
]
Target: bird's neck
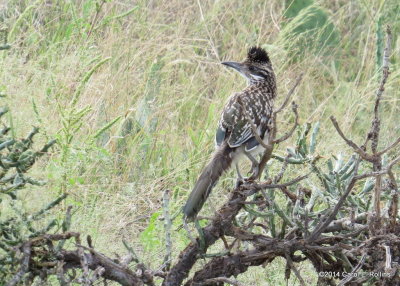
[{"x": 269, "y": 85}]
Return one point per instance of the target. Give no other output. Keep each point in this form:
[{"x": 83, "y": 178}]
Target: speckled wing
[
  {"x": 234, "y": 126},
  {"x": 220, "y": 135}
]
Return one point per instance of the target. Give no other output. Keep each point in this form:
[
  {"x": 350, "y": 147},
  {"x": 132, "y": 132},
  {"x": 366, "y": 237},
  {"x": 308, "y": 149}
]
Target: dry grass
[{"x": 164, "y": 73}]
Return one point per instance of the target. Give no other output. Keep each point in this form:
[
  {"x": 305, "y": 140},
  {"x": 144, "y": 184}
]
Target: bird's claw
[
  {"x": 239, "y": 181},
  {"x": 254, "y": 173}
]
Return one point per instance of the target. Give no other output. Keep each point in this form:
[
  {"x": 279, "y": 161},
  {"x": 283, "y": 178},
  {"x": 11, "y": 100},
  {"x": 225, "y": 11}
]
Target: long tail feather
[{"x": 220, "y": 162}]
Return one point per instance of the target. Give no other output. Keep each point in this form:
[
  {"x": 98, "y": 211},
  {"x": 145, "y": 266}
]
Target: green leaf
[
  {"x": 313, "y": 140},
  {"x": 150, "y": 236}
]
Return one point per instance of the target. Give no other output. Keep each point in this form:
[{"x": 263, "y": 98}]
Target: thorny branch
[
  {"x": 74, "y": 259},
  {"x": 26, "y": 251}
]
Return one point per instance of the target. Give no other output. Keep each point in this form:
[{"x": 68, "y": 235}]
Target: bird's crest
[{"x": 257, "y": 54}]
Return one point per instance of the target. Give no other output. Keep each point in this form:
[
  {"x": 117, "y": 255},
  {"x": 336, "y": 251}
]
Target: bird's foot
[
  {"x": 189, "y": 233},
  {"x": 201, "y": 239},
  {"x": 239, "y": 181},
  {"x": 254, "y": 173}
]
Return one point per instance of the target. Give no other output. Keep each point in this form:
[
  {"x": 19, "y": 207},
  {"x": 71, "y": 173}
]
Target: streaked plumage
[{"x": 234, "y": 136}]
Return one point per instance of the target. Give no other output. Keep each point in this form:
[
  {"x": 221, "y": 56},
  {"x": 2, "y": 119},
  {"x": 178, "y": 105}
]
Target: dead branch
[
  {"x": 355, "y": 147},
  {"x": 228, "y": 266},
  {"x": 167, "y": 227},
  {"x": 224, "y": 280},
  {"x": 222, "y": 222},
  {"x": 112, "y": 271},
  {"x": 289, "y": 95},
  {"x": 347, "y": 224},
  {"x": 268, "y": 185},
  {"x": 294, "y": 269},
  {"x": 295, "y": 125},
  {"x": 26, "y": 256},
  {"x": 375, "y": 126},
  {"x": 73, "y": 259},
  {"x": 375, "y": 129},
  {"x": 394, "y": 204},
  {"x": 355, "y": 270},
  {"x": 390, "y": 147}
]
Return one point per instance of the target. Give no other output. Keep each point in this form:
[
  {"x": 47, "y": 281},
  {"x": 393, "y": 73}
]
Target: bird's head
[{"x": 256, "y": 67}]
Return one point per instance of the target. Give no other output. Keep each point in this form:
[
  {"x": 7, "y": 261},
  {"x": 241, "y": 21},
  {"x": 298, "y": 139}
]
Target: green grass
[{"x": 133, "y": 94}]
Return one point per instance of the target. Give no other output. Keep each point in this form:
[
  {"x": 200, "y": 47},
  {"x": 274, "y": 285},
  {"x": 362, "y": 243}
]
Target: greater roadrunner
[{"x": 235, "y": 137}]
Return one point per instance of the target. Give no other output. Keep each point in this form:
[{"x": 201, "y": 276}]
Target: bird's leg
[
  {"x": 212, "y": 207},
  {"x": 240, "y": 179},
  {"x": 186, "y": 227},
  {"x": 202, "y": 240},
  {"x": 254, "y": 165}
]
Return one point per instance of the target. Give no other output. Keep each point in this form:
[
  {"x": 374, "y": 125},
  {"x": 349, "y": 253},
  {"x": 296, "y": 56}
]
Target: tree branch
[
  {"x": 290, "y": 93},
  {"x": 291, "y": 131},
  {"x": 353, "y": 145}
]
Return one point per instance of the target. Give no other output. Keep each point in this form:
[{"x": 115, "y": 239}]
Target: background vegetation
[{"x": 132, "y": 92}]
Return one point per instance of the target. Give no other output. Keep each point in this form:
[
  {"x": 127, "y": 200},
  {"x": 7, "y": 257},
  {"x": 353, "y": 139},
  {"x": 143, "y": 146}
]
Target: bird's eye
[{"x": 252, "y": 69}]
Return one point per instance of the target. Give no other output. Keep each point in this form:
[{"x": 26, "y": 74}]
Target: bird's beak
[{"x": 235, "y": 65}]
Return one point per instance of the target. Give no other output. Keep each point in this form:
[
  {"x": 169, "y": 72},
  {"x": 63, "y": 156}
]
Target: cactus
[{"x": 17, "y": 225}]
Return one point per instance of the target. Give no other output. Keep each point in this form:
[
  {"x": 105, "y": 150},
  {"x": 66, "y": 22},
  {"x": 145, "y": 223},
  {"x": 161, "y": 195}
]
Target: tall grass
[{"x": 134, "y": 90}]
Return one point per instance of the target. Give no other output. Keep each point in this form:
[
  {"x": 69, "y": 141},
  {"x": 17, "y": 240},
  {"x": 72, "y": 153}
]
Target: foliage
[
  {"x": 309, "y": 28},
  {"x": 17, "y": 224}
]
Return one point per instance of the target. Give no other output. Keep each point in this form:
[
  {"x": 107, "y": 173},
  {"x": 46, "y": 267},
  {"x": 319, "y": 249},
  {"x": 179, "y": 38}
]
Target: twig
[
  {"x": 388, "y": 260},
  {"x": 224, "y": 280},
  {"x": 355, "y": 270},
  {"x": 294, "y": 269},
  {"x": 375, "y": 126},
  {"x": 391, "y": 146},
  {"x": 277, "y": 186},
  {"x": 83, "y": 261},
  {"x": 113, "y": 270},
  {"x": 291, "y": 91},
  {"x": 134, "y": 258},
  {"x": 381, "y": 172},
  {"x": 375, "y": 129},
  {"x": 394, "y": 204},
  {"x": 291, "y": 131},
  {"x": 26, "y": 251},
  {"x": 60, "y": 274},
  {"x": 324, "y": 223},
  {"x": 167, "y": 226},
  {"x": 345, "y": 223},
  {"x": 393, "y": 162},
  {"x": 94, "y": 21},
  {"x": 289, "y": 194},
  {"x": 279, "y": 176},
  {"x": 356, "y": 148}
]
